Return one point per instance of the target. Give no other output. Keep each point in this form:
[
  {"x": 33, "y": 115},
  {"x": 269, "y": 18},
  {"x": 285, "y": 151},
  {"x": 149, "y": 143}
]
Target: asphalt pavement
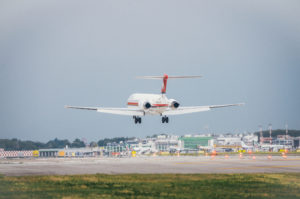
[{"x": 149, "y": 164}]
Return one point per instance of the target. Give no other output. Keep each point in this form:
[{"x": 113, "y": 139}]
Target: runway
[{"x": 158, "y": 164}]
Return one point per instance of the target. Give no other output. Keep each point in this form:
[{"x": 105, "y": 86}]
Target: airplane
[
  {"x": 244, "y": 146},
  {"x": 141, "y": 104}
]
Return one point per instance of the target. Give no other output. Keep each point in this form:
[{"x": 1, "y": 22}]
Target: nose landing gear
[
  {"x": 165, "y": 119},
  {"x": 137, "y": 120}
]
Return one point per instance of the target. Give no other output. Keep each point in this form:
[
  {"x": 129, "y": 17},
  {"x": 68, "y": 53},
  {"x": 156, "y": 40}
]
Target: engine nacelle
[
  {"x": 147, "y": 105},
  {"x": 174, "y": 104}
]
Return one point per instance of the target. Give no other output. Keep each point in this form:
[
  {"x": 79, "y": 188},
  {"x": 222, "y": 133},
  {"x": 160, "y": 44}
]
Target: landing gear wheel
[
  {"x": 137, "y": 120},
  {"x": 165, "y": 119}
]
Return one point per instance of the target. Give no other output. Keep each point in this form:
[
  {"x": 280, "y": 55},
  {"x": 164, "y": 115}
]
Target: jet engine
[
  {"x": 174, "y": 104},
  {"x": 147, "y": 105}
]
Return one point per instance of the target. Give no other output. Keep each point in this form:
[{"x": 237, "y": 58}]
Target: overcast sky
[{"x": 87, "y": 53}]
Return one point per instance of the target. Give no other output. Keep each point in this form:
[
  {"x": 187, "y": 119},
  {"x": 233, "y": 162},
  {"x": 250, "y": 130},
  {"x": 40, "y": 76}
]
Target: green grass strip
[{"x": 231, "y": 186}]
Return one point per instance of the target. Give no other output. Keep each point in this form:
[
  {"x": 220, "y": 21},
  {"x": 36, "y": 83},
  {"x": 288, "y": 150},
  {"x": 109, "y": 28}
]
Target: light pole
[
  {"x": 270, "y": 129},
  {"x": 261, "y": 135}
]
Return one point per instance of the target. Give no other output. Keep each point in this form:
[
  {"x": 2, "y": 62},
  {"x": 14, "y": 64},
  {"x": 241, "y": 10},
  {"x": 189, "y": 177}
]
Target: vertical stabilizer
[{"x": 164, "y": 86}]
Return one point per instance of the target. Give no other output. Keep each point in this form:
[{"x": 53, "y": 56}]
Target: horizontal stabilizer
[
  {"x": 169, "y": 77},
  {"x": 165, "y": 78}
]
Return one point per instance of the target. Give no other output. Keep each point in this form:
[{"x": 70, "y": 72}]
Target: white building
[{"x": 232, "y": 141}]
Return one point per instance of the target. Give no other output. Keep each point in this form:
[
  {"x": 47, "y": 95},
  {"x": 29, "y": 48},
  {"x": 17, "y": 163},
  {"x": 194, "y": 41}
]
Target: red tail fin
[{"x": 164, "y": 86}]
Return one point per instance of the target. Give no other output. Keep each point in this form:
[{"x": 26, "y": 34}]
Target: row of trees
[
  {"x": 105, "y": 141},
  {"x": 15, "y": 144}
]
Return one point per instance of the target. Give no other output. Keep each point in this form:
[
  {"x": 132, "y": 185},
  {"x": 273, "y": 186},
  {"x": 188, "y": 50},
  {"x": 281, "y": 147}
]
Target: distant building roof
[{"x": 46, "y": 150}]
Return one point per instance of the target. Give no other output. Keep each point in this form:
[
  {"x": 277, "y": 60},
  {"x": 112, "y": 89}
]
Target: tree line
[
  {"x": 106, "y": 141},
  {"x": 15, "y": 144}
]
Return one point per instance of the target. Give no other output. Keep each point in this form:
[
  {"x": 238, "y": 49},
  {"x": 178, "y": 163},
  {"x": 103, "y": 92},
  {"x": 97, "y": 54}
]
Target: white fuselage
[{"x": 159, "y": 103}]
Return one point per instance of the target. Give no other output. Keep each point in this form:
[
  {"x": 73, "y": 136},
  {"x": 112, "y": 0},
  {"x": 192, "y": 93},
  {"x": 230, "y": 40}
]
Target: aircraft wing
[
  {"x": 195, "y": 109},
  {"x": 117, "y": 111}
]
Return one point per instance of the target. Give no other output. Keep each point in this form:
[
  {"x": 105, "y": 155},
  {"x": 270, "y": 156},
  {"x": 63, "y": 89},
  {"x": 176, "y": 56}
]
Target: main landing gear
[
  {"x": 165, "y": 119},
  {"x": 137, "y": 119}
]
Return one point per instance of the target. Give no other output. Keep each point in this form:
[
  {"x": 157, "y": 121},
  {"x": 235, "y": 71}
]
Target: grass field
[{"x": 229, "y": 186}]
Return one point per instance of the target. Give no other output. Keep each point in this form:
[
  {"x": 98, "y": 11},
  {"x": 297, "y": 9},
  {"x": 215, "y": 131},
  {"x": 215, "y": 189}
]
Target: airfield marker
[
  {"x": 284, "y": 155},
  {"x": 241, "y": 155},
  {"x": 214, "y": 152}
]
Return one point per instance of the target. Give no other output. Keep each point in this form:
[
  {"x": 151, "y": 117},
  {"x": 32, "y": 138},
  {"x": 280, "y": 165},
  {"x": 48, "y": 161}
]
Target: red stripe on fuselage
[
  {"x": 160, "y": 105},
  {"x": 133, "y": 103},
  {"x": 153, "y": 105}
]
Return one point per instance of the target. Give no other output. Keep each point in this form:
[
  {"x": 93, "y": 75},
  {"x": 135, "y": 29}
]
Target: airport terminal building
[{"x": 169, "y": 144}]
